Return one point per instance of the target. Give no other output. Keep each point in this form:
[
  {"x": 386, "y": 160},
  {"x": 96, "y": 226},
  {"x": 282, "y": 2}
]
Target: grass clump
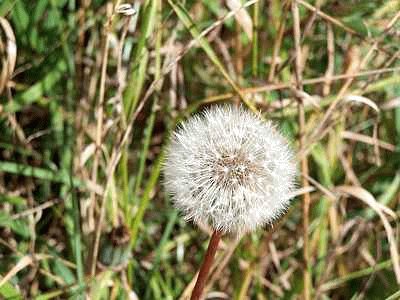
[{"x": 90, "y": 93}]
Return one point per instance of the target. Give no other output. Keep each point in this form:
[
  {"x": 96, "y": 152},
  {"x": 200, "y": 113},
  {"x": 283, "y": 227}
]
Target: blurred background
[{"x": 89, "y": 93}]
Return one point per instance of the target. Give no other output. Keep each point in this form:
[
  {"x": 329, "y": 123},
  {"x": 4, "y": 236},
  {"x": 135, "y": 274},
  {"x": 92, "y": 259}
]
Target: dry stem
[{"x": 304, "y": 162}]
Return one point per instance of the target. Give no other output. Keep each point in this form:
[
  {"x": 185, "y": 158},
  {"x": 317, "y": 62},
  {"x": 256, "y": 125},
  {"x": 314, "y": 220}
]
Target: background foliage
[{"x": 88, "y": 106}]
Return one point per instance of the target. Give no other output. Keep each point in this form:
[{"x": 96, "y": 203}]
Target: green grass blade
[
  {"x": 145, "y": 200},
  {"x": 6, "y": 7},
  {"x": 389, "y": 194},
  {"x": 394, "y": 296},
  {"x": 38, "y": 90},
  {"x": 335, "y": 283},
  {"x": 140, "y": 60},
  {"x": 7, "y": 291},
  {"x": 185, "y": 18},
  {"x": 146, "y": 143},
  {"x": 39, "y": 173},
  {"x": 173, "y": 215}
]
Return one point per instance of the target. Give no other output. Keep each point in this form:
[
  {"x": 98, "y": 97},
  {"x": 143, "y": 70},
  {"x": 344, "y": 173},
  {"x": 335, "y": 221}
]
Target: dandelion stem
[{"x": 205, "y": 267}]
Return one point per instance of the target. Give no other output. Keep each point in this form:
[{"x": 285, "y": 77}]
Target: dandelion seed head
[{"x": 229, "y": 169}]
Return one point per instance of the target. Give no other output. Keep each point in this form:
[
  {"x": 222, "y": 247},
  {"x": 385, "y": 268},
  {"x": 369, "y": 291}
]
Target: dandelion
[{"x": 230, "y": 170}]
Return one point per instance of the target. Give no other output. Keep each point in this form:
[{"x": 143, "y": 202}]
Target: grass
[{"x": 87, "y": 109}]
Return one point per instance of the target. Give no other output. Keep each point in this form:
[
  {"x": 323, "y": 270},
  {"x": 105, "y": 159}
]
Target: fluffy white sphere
[{"x": 229, "y": 169}]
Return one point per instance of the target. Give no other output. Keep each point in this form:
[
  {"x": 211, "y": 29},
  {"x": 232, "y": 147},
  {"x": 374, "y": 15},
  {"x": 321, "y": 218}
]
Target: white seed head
[{"x": 229, "y": 169}]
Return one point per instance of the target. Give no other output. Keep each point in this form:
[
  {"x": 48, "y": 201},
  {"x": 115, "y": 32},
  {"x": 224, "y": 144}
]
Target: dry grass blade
[
  {"x": 331, "y": 60},
  {"x": 37, "y": 209},
  {"x": 361, "y": 99},
  {"x": 392, "y": 104},
  {"x": 307, "y": 281},
  {"x": 327, "y": 17},
  {"x": 22, "y": 264},
  {"x": 169, "y": 67},
  {"x": 241, "y": 16},
  {"x": 10, "y": 53},
  {"x": 302, "y": 191},
  {"x": 99, "y": 136},
  {"x": 367, "y": 140},
  {"x": 366, "y": 197},
  {"x": 283, "y": 86}
]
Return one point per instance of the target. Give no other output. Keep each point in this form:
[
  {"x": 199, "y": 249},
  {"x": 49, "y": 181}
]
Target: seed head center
[{"x": 234, "y": 169}]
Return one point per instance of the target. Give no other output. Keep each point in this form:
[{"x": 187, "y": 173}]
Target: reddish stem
[{"x": 205, "y": 267}]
